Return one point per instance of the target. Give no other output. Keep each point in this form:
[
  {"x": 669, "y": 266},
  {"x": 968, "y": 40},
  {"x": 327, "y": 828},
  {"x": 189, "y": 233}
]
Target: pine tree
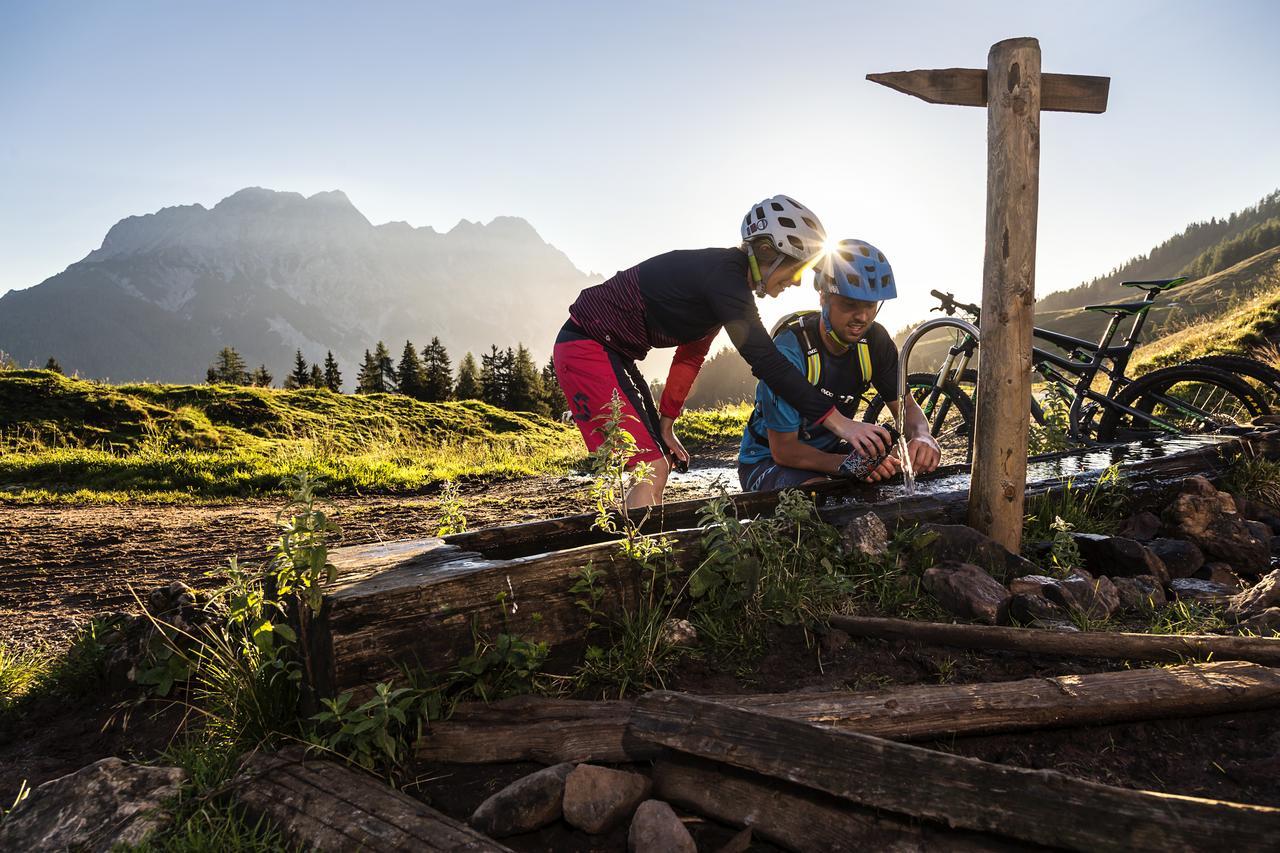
[
  {"x": 525, "y": 392},
  {"x": 228, "y": 368},
  {"x": 332, "y": 376},
  {"x": 468, "y": 387},
  {"x": 386, "y": 370},
  {"x": 368, "y": 380},
  {"x": 316, "y": 379},
  {"x": 410, "y": 373},
  {"x": 52, "y": 364},
  {"x": 301, "y": 375},
  {"x": 437, "y": 373},
  {"x": 553, "y": 400},
  {"x": 261, "y": 377},
  {"x": 495, "y": 376}
]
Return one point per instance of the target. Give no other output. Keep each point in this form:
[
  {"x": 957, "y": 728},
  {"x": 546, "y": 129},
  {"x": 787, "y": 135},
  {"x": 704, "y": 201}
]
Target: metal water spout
[{"x": 904, "y": 358}]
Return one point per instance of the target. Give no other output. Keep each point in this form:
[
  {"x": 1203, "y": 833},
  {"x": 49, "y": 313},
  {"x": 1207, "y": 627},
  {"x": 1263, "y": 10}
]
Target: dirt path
[{"x": 59, "y": 565}]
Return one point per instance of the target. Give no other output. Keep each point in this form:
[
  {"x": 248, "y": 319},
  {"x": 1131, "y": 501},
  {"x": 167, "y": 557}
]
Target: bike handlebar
[{"x": 949, "y": 304}]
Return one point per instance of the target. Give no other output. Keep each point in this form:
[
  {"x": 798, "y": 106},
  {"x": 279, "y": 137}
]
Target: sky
[{"x": 624, "y": 131}]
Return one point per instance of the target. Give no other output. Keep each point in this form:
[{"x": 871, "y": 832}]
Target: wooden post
[
  {"x": 1011, "y": 91},
  {"x": 1008, "y": 291}
]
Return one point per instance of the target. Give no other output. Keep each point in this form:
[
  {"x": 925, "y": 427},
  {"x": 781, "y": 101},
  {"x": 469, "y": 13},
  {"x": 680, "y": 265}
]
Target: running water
[{"x": 908, "y": 475}]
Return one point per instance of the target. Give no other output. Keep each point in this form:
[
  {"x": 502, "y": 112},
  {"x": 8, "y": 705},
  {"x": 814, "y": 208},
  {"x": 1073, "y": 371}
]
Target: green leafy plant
[
  {"x": 377, "y": 733},
  {"x": 453, "y": 518},
  {"x": 1095, "y": 508},
  {"x": 1053, "y": 435},
  {"x": 889, "y": 584},
  {"x": 1064, "y": 553}
]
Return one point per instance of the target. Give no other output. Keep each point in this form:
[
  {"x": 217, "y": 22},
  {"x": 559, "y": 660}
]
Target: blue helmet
[{"x": 856, "y": 270}]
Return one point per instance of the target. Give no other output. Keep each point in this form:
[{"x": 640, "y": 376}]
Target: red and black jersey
[{"x": 682, "y": 299}]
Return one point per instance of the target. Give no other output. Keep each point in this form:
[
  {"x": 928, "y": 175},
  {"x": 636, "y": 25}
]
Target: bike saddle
[
  {"x": 1119, "y": 309},
  {"x": 1155, "y": 284}
]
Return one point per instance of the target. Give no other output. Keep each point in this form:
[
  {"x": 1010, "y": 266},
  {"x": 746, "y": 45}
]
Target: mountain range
[{"x": 269, "y": 272}]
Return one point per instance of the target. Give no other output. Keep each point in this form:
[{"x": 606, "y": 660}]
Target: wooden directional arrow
[
  {"x": 1014, "y": 91},
  {"x": 967, "y": 87}
]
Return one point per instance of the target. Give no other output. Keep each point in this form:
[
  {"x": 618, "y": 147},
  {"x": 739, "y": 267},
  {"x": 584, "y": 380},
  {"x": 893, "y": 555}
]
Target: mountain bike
[{"x": 1210, "y": 394}]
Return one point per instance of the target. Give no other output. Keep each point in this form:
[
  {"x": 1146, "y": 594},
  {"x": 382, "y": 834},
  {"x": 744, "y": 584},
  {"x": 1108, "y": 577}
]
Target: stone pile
[
  {"x": 588, "y": 797},
  {"x": 1207, "y": 546}
]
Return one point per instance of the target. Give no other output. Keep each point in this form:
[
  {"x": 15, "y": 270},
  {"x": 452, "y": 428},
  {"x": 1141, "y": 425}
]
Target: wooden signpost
[{"x": 1014, "y": 92}]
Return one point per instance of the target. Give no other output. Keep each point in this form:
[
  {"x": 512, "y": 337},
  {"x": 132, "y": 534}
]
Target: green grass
[
  {"x": 713, "y": 428},
  {"x": 69, "y": 440}
]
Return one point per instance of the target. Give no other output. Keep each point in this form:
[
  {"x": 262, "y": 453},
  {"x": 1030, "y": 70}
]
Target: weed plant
[
  {"x": 1095, "y": 508},
  {"x": 1186, "y": 617},
  {"x": 1255, "y": 477}
]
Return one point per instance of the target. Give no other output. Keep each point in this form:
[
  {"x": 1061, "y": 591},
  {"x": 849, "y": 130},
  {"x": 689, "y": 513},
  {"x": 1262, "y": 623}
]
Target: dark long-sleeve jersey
[{"x": 682, "y": 299}]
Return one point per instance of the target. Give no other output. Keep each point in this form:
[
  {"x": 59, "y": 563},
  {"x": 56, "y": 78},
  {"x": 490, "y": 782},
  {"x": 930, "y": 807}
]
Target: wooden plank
[
  {"x": 1040, "y": 806},
  {"x": 554, "y": 730},
  {"x": 1002, "y": 404},
  {"x": 967, "y": 87},
  {"x": 799, "y": 818},
  {"x": 323, "y": 806},
  {"x": 1113, "y": 645}
]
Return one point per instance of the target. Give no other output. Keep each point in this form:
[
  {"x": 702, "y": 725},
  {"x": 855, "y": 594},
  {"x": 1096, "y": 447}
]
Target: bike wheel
[
  {"x": 1187, "y": 399},
  {"x": 950, "y": 415},
  {"x": 1264, "y": 378}
]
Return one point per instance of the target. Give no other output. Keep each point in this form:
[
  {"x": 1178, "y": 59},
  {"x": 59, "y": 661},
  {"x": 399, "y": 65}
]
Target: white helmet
[{"x": 794, "y": 228}]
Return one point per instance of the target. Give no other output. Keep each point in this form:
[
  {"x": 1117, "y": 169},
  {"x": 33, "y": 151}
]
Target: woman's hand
[{"x": 667, "y": 427}]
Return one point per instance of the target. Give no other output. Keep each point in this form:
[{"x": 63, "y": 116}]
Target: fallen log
[
  {"x": 323, "y": 806},
  {"x": 798, "y": 818},
  {"x": 554, "y": 730},
  {"x": 1114, "y": 645},
  {"x": 1040, "y": 806}
]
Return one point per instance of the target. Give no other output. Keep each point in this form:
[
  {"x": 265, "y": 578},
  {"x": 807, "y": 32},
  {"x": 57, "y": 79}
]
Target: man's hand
[
  {"x": 886, "y": 469},
  {"x": 925, "y": 454},
  {"x": 870, "y": 440},
  {"x": 667, "y": 427}
]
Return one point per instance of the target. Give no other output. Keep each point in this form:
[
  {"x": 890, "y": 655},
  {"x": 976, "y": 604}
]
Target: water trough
[{"x": 420, "y": 602}]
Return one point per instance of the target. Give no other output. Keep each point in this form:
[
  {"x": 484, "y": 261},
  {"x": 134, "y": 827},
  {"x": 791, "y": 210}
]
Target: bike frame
[{"x": 1071, "y": 375}]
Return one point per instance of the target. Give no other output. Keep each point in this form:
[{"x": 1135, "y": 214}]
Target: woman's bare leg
[{"x": 648, "y": 492}]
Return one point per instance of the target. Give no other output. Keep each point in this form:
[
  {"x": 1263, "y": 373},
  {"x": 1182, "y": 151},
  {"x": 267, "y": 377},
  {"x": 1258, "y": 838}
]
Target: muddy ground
[{"x": 59, "y": 565}]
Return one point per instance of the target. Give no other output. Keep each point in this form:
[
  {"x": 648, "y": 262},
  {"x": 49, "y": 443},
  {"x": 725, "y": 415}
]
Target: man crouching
[{"x": 842, "y": 351}]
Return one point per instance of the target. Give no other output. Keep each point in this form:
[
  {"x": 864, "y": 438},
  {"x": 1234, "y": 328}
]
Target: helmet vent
[
  {"x": 807, "y": 221},
  {"x": 851, "y": 278},
  {"x": 795, "y": 241},
  {"x": 880, "y": 257},
  {"x": 847, "y": 255},
  {"x": 759, "y": 213},
  {"x": 797, "y": 205},
  {"x": 776, "y": 206},
  {"x": 866, "y": 252},
  {"x": 786, "y": 222}
]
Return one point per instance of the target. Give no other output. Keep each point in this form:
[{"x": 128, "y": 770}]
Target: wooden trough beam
[
  {"x": 554, "y": 730},
  {"x": 320, "y": 805},
  {"x": 1039, "y": 806},
  {"x": 422, "y": 603},
  {"x": 1114, "y": 645}
]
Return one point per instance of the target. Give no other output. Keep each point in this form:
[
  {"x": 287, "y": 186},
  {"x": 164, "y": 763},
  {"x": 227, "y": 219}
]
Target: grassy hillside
[{"x": 72, "y": 439}]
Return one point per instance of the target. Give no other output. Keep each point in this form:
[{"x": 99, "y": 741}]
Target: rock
[
  {"x": 1116, "y": 556},
  {"x": 966, "y": 590},
  {"x": 1180, "y": 557},
  {"x": 1141, "y": 526},
  {"x": 1096, "y": 598},
  {"x": 528, "y": 803},
  {"x": 865, "y": 535},
  {"x": 101, "y": 805},
  {"x": 656, "y": 829},
  {"x": 1264, "y": 624},
  {"x": 1031, "y": 584},
  {"x": 1140, "y": 593},
  {"x": 1275, "y": 546},
  {"x": 680, "y": 633},
  {"x": 1213, "y": 524},
  {"x": 1194, "y": 589},
  {"x": 1198, "y": 485},
  {"x": 1258, "y": 511},
  {"x": 1220, "y": 573},
  {"x": 1034, "y": 610},
  {"x": 740, "y": 843},
  {"x": 1257, "y": 598},
  {"x": 960, "y": 543},
  {"x": 596, "y": 798}
]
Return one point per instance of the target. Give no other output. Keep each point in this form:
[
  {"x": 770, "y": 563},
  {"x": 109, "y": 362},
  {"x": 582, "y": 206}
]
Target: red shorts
[{"x": 589, "y": 373}]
